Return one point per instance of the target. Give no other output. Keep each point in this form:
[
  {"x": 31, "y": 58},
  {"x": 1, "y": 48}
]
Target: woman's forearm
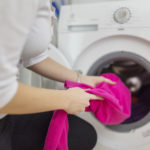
[
  {"x": 29, "y": 100},
  {"x": 32, "y": 100},
  {"x": 51, "y": 69}
]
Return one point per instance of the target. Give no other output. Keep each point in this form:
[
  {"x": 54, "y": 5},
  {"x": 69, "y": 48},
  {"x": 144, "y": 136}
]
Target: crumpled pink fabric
[
  {"x": 57, "y": 134},
  {"x": 114, "y": 109}
]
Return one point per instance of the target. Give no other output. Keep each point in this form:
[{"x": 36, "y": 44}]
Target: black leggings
[{"x": 27, "y": 132}]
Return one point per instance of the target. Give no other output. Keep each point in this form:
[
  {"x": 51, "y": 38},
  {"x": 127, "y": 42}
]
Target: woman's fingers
[
  {"x": 92, "y": 96},
  {"x": 108, "y": 81}
]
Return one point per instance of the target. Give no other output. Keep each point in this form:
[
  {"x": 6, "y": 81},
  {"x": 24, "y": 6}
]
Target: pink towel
[
  {"x": 56, "y": 138},
  {"x": 114, "y": 109}
]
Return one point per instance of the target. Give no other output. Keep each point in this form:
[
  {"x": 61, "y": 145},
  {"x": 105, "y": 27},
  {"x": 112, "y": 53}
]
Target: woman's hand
[
  {"x": 77, "y": 100},
  {"x": 94, "y": 80}
]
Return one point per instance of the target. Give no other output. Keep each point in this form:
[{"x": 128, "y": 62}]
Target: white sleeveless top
[{"x": 25, "y": 32}]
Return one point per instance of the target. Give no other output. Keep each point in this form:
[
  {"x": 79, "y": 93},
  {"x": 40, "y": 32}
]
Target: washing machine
[
  {"x": 113, "y": 36},
  {"x": 31, "y": 78}
]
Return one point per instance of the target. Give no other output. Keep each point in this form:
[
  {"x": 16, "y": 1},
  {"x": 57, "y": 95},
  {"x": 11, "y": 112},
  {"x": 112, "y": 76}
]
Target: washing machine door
[
  {"x": 107, "y": 55},
  {"x": 28, "y": 77}
]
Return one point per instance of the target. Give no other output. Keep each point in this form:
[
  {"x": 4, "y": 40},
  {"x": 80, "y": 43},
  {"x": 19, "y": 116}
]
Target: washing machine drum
[{"x": 135, "y": 73}]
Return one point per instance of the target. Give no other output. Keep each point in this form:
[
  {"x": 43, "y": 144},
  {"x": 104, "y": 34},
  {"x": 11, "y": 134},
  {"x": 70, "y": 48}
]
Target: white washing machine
[{"x": 113, "y": 36}]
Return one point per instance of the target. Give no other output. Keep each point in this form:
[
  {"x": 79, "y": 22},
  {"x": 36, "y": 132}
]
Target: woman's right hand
[{"x": 77, "y": 100}]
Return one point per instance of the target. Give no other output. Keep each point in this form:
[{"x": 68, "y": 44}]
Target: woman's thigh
[
  {"x": 6, "y": 129},
  {"x": 29, "y": 132},
  {"x": 82, "y": 135}
]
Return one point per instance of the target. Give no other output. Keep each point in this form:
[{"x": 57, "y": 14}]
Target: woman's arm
[
  {"x": 29, "y": 99},
  {"x": 51, "y": 69}
]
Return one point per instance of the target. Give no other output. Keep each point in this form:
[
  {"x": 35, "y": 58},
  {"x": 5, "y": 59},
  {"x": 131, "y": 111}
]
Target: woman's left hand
[{"x": 94, "y": 80}]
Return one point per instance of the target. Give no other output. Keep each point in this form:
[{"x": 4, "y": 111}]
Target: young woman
[{"x": 25, "y": 32}]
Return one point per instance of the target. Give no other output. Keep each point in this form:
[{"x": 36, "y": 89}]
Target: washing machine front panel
[
  {"x": 136, "y": 139},
  {"x": 107, "y": 51},
  {"x": 106, "y": 15},
  {"x": 91, "y": 34},
  {"x": 81, "y": 25},
  {"x": 113, "y": 44}
]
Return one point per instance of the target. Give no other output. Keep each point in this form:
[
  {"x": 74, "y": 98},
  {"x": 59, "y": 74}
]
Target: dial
[{"x": 122, "y": 15}]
